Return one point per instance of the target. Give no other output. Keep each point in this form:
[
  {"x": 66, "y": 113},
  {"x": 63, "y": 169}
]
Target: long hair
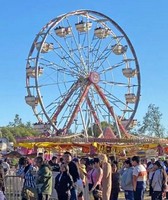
[{"x": 103, "y": 157}]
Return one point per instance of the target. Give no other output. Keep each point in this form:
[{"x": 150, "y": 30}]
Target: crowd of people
[{"x": 83, "y": 178}]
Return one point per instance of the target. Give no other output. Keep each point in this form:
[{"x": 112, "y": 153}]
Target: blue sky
[{"x": 145, "y": 22}]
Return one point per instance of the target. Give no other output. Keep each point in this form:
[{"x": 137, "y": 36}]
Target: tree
[
  {"x": 95, "y": 130},
  {"x": 151, "y": 124},
  {"x": 18, "y": 129},
  {"x": 17, "y": 121}
]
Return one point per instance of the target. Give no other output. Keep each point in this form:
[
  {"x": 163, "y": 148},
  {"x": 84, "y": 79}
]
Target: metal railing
[
  {"x": 13, "y": 187},
  {"x": 14, "y": 184}
]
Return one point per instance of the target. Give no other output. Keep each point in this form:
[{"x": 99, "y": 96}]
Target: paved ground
[{"x": 121, "y": 196}]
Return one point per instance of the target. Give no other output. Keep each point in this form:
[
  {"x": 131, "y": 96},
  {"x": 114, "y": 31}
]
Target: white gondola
[
  {"x": 42, "y": 127},
  {"x": 83, "y": 26},
  {"x": 130, "y": 98},
  {"x": 63, "y": 31},
  {"x": 46, "y": 47},
  {"x": 124, "y": 122},
  {"x": 102, "y": 32},
  {"x": 129, "y": 72},
  {"x": 119, "y": 49},
  {"x": 31, "y": 71},
  {"x": 133, "y": 123},
  {"x": 31, "y": 100}
]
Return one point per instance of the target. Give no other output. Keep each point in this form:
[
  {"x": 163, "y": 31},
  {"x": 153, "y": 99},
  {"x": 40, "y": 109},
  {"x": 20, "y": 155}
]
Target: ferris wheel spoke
[
  {"x": 70, "y": 71},
  {"x": 114, "y": 83},
  {"x": 112, "y": 67},
  {"x": 102, "y": 57},
  {"x": 79, "y": 47},
  {"x": 66, "y": 56},
  {"x": 116, "y": 101},
  {"x": 75, "y": 55}
]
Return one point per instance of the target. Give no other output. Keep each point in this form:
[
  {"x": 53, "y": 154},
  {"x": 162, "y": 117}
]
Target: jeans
[
  {"x": 73, "y": 194},
  {"x": 114, "y": 195},
  {"x": 129, "y": 195},
  {"x": 139, "y": 194}
]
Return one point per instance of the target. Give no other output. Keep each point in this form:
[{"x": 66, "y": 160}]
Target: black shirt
[
  {"x": 54, "y": 166},
  {"x": 73, "y": 170}
]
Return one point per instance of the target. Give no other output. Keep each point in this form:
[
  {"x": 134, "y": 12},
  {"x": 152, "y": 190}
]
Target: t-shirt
[
  {"x": 54, "y": 166},
  {"x": 141, "y": 173}
]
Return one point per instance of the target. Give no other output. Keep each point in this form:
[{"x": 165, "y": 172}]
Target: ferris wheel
[{"x": 82, "y": 72}]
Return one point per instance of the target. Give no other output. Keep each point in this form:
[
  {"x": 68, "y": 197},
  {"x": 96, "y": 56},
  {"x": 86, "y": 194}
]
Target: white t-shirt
[{"x": 140, "y": 172}]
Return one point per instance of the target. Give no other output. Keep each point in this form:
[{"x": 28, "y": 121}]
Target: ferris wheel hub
[{"x": 94, "y": 77}]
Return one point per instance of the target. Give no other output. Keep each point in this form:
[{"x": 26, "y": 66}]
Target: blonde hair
[{"x": 103, "y": 157}]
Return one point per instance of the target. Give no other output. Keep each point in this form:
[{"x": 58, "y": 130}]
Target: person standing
[
  {"x": 29, "y": 186},
  {"x": 158, "y": 181},
  {"x": 139, "y": 178},
  {"x": 73, "y": 170},
  {"x": 44, "y": 179},
  {"x": 115, "y": 182},
  {"x": 96, "y": 178},
  {"x": 90, "y": 170},
  {"x": 106, "y": 180},
  {"x": 127, "y": 180},
  {"x": 63, "y": 183},
  {"x": 6, "y": 166},
  {"x": 54, "y": 165},
  {"x": 150, "y": 172}
]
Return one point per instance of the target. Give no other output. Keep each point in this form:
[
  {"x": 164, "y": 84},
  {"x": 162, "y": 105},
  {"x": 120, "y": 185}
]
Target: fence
[
  {"x": 14, "y": 184},
  {"x": 13, "y": 187}
]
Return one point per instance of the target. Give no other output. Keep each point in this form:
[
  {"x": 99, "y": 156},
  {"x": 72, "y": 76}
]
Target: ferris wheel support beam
[
  {"x": 77, "y": 108},
  {"x": 110, "y": 108},
  {"x": 60, "y": 107},
  {"x": 94, "y": 115}
]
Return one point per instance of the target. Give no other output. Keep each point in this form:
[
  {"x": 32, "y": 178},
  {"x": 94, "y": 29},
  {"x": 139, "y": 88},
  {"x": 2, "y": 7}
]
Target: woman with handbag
[{"x": 96, "y": 177}]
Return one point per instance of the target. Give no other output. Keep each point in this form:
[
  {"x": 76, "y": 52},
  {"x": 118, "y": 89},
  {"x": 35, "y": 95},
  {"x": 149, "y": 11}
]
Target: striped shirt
[{"x": 29, "y": 177}]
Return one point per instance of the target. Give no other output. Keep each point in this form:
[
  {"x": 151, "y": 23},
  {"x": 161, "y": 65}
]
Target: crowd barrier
[{"x": 14, "y": 184}]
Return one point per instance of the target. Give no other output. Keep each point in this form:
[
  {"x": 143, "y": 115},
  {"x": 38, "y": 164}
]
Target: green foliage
[
  {"x": 95, "y": 130},
  {"x": 18, "y": 129},
  {"x": 151, "y": 124}
]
